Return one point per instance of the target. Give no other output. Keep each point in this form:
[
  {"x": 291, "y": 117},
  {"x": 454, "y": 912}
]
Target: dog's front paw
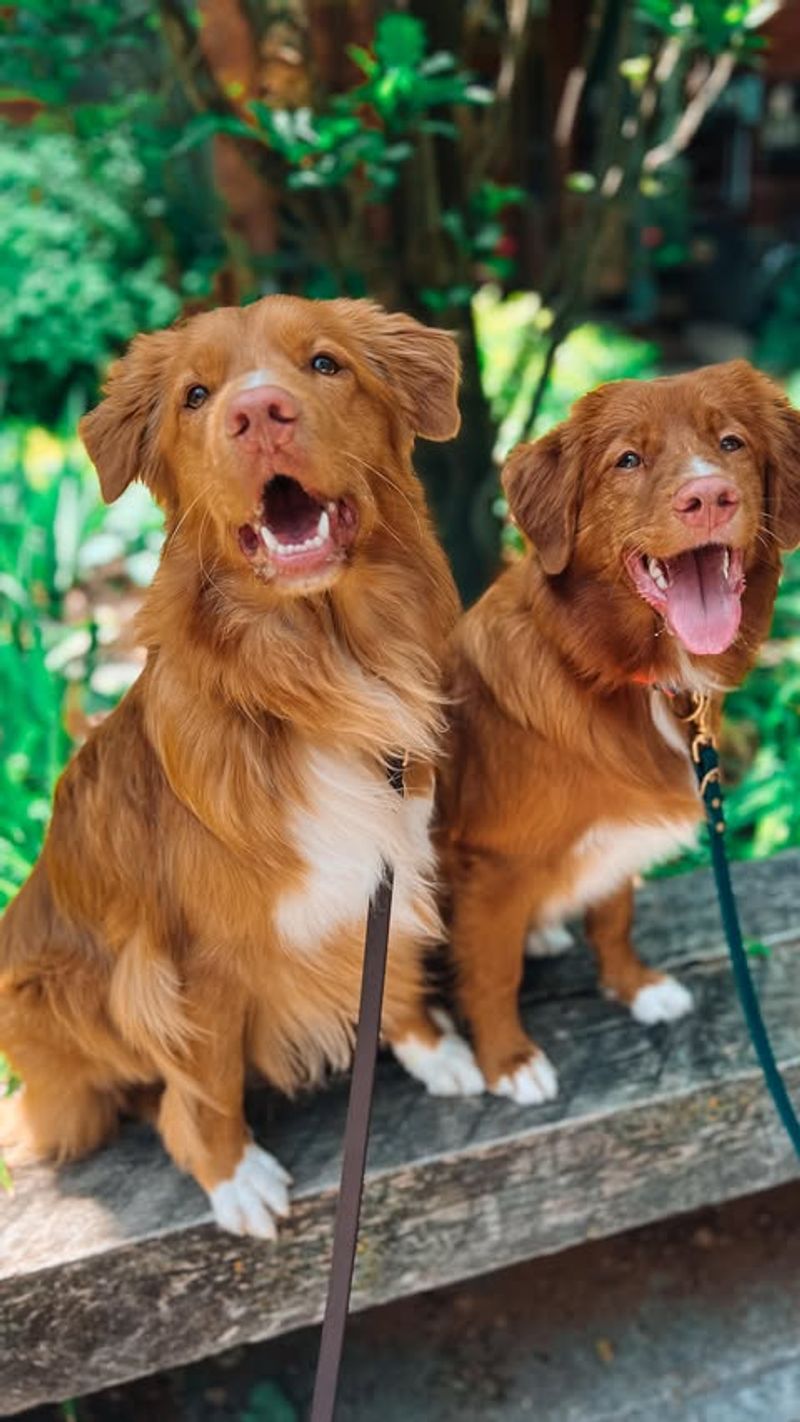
[
  {"x": 663, "y": 1001},
  {"x": 446, "y": 1068},
  {"x": 530, "y": 1083},
  {"x": 255, "y": 1197}
]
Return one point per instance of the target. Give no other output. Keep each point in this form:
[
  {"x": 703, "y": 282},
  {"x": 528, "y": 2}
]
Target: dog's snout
[
  {"x": 266, "y": 413},
  {"x": 707, "y": 503}
]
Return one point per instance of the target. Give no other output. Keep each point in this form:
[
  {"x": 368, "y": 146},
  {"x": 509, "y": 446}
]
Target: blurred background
[{"x": 583, "y": 189}]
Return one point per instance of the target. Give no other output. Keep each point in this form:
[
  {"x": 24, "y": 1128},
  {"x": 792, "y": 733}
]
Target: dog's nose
[
  {"x": 266, "y": 414},
  {"x": 706, "y": 503}
]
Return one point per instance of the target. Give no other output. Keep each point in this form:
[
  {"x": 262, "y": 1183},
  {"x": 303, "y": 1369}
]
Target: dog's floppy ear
[
  {"x": 421, "y": 363},
  {"x": 120, "y": 433},
  {"x": 541, "y": 483},
  {"x": 783, "y": 467}
]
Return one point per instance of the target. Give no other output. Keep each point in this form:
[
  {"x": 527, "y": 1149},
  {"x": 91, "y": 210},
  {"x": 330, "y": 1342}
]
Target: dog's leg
[
  {"x": 428, "y": 1046},
  {"x": 201, "y": 1121},
  {"x": 492, "y": 907},
  {"x": 69, "y": 1100},
  {"x": 59, "y": 1113},
  {"x": 650, "y": 996}
]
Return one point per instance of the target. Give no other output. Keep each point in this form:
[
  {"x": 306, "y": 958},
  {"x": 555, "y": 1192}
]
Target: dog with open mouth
[
  {"x": 199, "y": 906},
  {"x": 656, "y": 516}
]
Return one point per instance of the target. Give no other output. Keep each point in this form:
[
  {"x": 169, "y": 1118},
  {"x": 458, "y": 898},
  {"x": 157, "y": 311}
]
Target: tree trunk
[
  {"x": 231, "y": 51},
  {"x": 461, "y": 482}
]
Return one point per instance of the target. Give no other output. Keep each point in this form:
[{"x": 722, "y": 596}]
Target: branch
[
  {"x": 518, "y": 18},
  {"x": 719, "y": 76}
]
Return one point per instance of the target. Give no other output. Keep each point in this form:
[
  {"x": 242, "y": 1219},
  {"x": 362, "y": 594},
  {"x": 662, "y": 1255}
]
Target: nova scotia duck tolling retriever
[
  {"x": 198, "y": 910},
  {"x": 656, "y": 516}
]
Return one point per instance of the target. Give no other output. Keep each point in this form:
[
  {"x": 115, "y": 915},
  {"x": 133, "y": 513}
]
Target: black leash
[
  {"x": 706, "y": 764},
  {"x": 356, "y": 1135}
]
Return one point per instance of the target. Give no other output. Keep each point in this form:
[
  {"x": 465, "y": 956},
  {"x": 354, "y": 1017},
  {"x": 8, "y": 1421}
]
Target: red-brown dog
[
  {"x": 657, "y": 513},
  {"x": 200, "y": 902}
]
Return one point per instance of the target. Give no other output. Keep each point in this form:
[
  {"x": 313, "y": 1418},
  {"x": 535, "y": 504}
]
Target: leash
[
  {"x": 356, "y": 1135},
  {"x": 705, "y": 759}
]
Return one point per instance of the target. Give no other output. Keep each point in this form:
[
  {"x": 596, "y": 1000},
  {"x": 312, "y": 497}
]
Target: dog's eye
[
  {"x": 729, "y": 443},
  {"x": 325, "y": 364},
  {"x": 628, "y": 460},
  {"x": 196, "y": 396}
]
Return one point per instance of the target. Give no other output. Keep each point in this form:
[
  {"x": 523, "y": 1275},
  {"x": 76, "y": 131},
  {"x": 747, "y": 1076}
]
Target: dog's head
[
  {"x": 278, "y": 434},
  {"x": 672, "y": 495}
]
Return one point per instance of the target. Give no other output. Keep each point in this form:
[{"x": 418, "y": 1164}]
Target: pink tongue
[{"x": 702, "y": 610}]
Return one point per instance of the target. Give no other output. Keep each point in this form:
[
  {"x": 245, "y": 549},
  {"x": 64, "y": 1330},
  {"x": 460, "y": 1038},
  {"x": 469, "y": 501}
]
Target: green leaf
[
  {"x": 203, "y": 127},
  {"x": 400, "y": 41},
  {"x": 362, "y": 59},
  {"x": 580, "y": 182}
]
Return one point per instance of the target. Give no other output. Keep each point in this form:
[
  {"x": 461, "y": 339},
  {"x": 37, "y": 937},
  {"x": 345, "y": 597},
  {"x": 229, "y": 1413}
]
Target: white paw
[
  {"x": 531, "y": 1084},
  {"x": 257, "y": 1193},
  {"x": 448, "y": 1068},
  {"x": 661, "y": 1002},
  {"x": 549, "y": 941}
]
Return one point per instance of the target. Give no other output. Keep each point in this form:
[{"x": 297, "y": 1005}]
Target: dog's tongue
[{"x": 703, "y": 610}]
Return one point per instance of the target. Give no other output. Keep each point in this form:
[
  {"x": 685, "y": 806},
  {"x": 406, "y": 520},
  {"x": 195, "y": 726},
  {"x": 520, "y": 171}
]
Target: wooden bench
[{"x": 112, "y": 1269}]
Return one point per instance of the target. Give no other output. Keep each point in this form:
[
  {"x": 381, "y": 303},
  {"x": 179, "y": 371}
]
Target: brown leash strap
[{"x": 356, "y": 1135}]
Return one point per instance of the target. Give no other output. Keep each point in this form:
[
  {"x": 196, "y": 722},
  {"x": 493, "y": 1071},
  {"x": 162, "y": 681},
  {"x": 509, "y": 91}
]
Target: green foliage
[
  {"x": 778, "y": 345},
  {"x": 55, "y": 537},
  {"x": 77, "y": 273},
  {"x": 47, "y": 46},
  {"x": 512, "y": 335},
  {"x": 763, "y": 740},
  {"x": 357, "y": 149},
  {"x": 713, "y": 25},
  {"x": 366, "y": 132}
]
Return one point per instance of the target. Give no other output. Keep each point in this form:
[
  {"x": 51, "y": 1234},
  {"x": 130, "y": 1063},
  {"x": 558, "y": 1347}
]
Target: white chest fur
[
  {"x": 350, "y": 822},
  {"x": 612, "y": 852}
]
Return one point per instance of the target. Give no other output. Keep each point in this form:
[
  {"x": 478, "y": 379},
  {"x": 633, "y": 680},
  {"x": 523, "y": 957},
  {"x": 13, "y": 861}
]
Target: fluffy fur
[
  {"x": 199, "y": 905},
  {"x": 568, "y": 770}
]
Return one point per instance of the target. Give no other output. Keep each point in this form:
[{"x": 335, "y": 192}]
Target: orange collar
[{"x": 646, "y": 679}]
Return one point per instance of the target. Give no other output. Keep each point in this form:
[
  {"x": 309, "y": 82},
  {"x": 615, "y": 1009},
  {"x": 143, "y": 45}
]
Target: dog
[
  {"x": 199, "y": 906},
  {"x": 656, "y": 515}
]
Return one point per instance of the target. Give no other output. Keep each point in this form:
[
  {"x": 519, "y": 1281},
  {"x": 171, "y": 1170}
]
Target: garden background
[{"x": 583, "y": 189}]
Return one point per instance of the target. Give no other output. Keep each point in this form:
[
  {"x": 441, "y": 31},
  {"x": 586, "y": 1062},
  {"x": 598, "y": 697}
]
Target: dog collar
[{"x": 646, "y": 679}]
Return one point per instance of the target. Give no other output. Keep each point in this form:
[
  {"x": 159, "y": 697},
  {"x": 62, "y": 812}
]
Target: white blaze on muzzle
[
  {"x": 254, "y": 378},
  {"x": 700, "y": 468}
]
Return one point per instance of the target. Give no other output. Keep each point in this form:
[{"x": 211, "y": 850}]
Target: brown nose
[
  {"x": 265, "y": 415},
  {"x": 707, "y": 503}
]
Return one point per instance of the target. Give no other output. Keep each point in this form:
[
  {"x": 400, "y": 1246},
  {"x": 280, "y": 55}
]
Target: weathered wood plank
[{"x": 112, "y": 1268}]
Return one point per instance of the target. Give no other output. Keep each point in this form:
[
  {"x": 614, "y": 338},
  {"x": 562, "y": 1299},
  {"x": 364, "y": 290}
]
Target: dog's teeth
[
  {"x": 656, "y": 570},
  {"x": 324, "y": 526},
  {"x": 309, "y": 545},
  {"x": 726, "y": 562}
]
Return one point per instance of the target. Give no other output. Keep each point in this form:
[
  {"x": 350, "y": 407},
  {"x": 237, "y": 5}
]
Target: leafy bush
[
  {"x": 778, "y": 344},
  {"x": 512, "y": 335},
  {"x": 77, "y": 273},
  {"x": 64, "y": 559}
]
